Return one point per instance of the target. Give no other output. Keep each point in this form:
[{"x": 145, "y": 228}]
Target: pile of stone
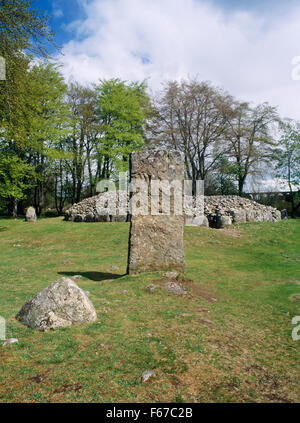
[
  {"x": 218, "y": 211},
  {"x": 224, "y": 210},
  {"x": 94, "y": 209}
]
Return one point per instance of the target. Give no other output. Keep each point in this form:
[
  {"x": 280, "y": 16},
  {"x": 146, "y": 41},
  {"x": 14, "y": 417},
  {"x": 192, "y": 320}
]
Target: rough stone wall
[
  {"x": 238, "y": 209},
  {"x": 216, "y": 209},
  {"x": 87, "y": 210},
  {"x": 156, "y": 242}
]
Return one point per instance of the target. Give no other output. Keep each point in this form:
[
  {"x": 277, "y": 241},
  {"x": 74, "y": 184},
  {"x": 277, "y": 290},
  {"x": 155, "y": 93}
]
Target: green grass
[{"x": 236, "y": 349}]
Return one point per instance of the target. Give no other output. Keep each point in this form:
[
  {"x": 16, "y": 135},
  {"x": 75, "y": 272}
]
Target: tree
[
  {"x": 123, "y": 109},
  {"x": 82, "y": 137},
  {"x": 250, "y": 143},
  {"x": 191, "y": 118},
  {"x": 23, "y": 28},
  {"x": 15, "y": 178},
  {"x": 48, "y": 119},
  {"x": 221, "y": 180},
  {"x": 288, "y": 160}
]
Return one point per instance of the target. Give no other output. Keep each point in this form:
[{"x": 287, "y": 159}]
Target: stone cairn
[
  {"x": 220, "y": 211},
  {"x": 88, "y": 211},
  {"x": 156, "y": 241}
]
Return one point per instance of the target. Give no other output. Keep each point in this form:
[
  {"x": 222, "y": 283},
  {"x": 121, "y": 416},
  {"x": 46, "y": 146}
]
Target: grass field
[{"x": 228, "y": 340}]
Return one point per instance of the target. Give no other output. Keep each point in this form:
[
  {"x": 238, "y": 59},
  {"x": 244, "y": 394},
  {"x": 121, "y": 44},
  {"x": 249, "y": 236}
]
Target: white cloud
[
  {"x": 57, "y": 12},
  {"x": 247, "y": 54}
]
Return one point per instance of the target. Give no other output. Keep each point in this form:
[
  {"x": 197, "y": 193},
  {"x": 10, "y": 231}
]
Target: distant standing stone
[
  {"x": 31, "y": 215},
  {"x": 61, "y": 304}
]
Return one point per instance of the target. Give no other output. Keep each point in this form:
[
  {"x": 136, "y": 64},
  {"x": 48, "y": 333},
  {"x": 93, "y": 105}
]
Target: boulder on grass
[
  {"x": 61, "y": 304},
  {"x": 30, "y": 215}
]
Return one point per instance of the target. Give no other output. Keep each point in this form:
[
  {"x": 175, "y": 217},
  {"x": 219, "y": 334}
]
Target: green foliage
[
  {"x": 47, "y": 111},
  {"x": 122, "y": 110},
  {"x": 15, "y": 177},
  {"x": 33, "y": 117},
  {"x": 23, "y": 27},
  {"x": 222, "y": 180}
]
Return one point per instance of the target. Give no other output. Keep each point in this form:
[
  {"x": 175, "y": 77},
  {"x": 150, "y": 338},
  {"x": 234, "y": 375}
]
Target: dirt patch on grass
[
  {"x": 68, "y": 387},
  {"x": 231, "y": 231},
  {"x": 198, "y": 291},
  {"x": 192, "y": 288},
  {"x": 39, "y": 378},
  {"x": 295, "y": 297}
]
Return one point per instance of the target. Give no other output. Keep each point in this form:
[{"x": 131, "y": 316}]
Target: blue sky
[
  {"x": 246, "y": 47},
  {"x": 65, "y": 12}
]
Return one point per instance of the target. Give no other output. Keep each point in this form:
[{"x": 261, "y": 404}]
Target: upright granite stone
[
  {"x": 30, "y": 215},
  {"x": 156, "y": 240}
]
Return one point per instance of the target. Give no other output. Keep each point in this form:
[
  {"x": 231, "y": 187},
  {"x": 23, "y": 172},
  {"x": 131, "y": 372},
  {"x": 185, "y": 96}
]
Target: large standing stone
[
  {"x": 61, "y": 304},
  {"x": 30, "y": 214},
  {"x": 156, "y": 241}
]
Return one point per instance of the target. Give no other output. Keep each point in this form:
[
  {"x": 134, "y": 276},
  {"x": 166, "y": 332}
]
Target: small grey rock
[
  {"x": 10, "y": 341},
  {"x": 114, "y": 268},
  {"x": 17, "y": 245},
  {"x": 151, "y": 287},
  {"x": 295, "y": 297},
  {"x": 175, "y": 288},
  {"x": 146, "y": 376}
]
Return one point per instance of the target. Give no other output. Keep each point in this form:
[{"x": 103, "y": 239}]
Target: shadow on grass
[{"x": 94, "y": 276}]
